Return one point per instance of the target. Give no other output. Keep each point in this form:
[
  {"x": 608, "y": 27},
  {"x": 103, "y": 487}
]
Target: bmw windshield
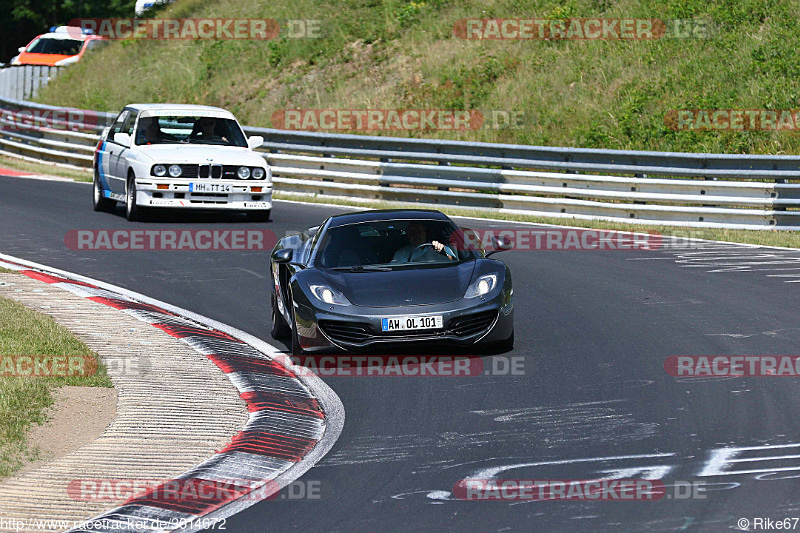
[
  {"x": 189, "y": 130},
  {"x": 389, "y": 244}
]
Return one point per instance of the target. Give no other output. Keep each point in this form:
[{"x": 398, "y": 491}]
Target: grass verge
[
  {"x": 48, "y": 170},
  {"x": 788, "y": 239},
  {"x": 24, "y": 399},
  {"x": 405, "y": 54}
]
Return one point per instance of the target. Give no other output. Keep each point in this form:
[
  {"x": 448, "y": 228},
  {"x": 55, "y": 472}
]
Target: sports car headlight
[
  {"x": 483, "y": 285},
  {"x": 258, "y": 173},
  {"x": 327, "y": 295},
  {"x": 160, "y": 170},
  {"x": 175, "y": 171},
  {"x": 243, "y": 173}
]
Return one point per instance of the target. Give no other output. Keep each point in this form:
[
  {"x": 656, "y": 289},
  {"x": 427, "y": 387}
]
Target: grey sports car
[{"x": 378, "y": 278}]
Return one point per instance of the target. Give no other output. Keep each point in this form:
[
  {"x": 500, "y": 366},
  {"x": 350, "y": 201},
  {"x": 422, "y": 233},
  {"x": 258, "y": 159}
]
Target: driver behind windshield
[
  {"x": 149, "y": 132},
  {"x": 204, "y": 130},
  {"x": 419, "y": 249}
]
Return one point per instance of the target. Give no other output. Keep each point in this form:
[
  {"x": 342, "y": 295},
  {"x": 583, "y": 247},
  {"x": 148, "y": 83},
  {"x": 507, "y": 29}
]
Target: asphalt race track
[{"x": 593, "y": 329}]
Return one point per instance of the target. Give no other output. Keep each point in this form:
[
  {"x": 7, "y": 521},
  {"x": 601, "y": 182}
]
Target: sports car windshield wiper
[{"x": 363, "y": 268}]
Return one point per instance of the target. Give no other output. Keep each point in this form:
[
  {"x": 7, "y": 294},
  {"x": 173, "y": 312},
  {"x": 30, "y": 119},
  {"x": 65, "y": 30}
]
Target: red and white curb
[{"x": 295, "y": 418}]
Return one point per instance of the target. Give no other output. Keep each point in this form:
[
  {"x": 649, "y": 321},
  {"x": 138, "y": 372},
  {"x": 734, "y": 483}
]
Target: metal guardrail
[
  {"x": 24, "y": 81},
  {"x": 55, "y": 142},
  {"x": 700, "y": 190}
]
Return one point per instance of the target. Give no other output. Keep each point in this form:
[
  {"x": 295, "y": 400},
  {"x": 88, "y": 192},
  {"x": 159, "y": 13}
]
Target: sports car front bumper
[{"x": 355, "y": 328}]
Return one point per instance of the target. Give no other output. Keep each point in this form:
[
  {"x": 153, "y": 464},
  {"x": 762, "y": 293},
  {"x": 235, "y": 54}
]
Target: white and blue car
[{"x": 180, "y": 157}]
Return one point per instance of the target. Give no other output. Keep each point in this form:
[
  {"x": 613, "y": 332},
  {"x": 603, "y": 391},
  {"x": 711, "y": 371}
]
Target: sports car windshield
[
  {"x": 189, "y": 130},
  {"x": 383, "y": 245}
]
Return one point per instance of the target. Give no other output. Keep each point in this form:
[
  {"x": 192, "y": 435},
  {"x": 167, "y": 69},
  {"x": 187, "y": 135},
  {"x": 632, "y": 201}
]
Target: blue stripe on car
[{"x": 103, "y": 185}]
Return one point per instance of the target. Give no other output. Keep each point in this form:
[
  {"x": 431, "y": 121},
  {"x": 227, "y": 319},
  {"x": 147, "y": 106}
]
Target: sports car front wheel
[
  {"x": 296, "y": 348},
  {"x": 280, "y": 329}
]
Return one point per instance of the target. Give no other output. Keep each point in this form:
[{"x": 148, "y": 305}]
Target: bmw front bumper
[{"x": 251, "y": 195}]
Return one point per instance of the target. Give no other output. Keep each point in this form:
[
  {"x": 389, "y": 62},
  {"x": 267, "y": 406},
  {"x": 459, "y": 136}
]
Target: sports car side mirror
[
  {"x": 122, "y": 138},
  {"x": 500, "y": 244},
  {"x": 471, "y": 239},
  {"x": 283, "y": 255},
  {"x": 21, "y": 49},
  {"x": 255, "y": 141}
]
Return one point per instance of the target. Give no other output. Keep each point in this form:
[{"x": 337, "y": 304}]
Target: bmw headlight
[
  {"x": 160, "y": 171},
  {"x": 258, "y": 173},
  {"x": 483, "y": 285},
  {"x": 175, "y": 171},
  {"x": 327, "y": 295},
  {"x": 243, "y": 173}
]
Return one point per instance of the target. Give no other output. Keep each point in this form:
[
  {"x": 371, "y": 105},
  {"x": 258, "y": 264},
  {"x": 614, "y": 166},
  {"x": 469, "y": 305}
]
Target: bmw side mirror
[
  {"x": 255, "y": 141},
  {"x": 283, "y": 255},
  {"x": 122, "y": 138}
]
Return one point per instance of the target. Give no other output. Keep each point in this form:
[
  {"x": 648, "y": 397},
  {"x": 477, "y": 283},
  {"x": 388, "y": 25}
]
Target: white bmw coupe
[{"x": 180, "y": 156}]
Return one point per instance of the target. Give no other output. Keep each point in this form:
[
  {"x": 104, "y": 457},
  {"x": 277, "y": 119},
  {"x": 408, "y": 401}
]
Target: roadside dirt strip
[{"x": 210, "y": 420}]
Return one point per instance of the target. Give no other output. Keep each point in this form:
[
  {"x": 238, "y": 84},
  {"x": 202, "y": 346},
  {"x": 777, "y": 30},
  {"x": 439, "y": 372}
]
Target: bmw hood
[
  {"x": 404, "y": 286},
  {"x": 201, "y": 154}
]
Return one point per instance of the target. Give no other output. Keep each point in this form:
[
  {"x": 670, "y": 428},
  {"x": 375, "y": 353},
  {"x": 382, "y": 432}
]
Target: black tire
[
  {"x": 280, "y": 329},
  {"x": 259, "y": 216},
  {"x": 132, "y": 211},
  {"x": 296, "y": 348},
  {"x": 100, "y": 202}
]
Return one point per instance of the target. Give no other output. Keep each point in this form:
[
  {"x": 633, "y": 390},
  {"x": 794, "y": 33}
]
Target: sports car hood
[
  {"x": 402, "y": 287},
  {"x": 202, "y": 154}
]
